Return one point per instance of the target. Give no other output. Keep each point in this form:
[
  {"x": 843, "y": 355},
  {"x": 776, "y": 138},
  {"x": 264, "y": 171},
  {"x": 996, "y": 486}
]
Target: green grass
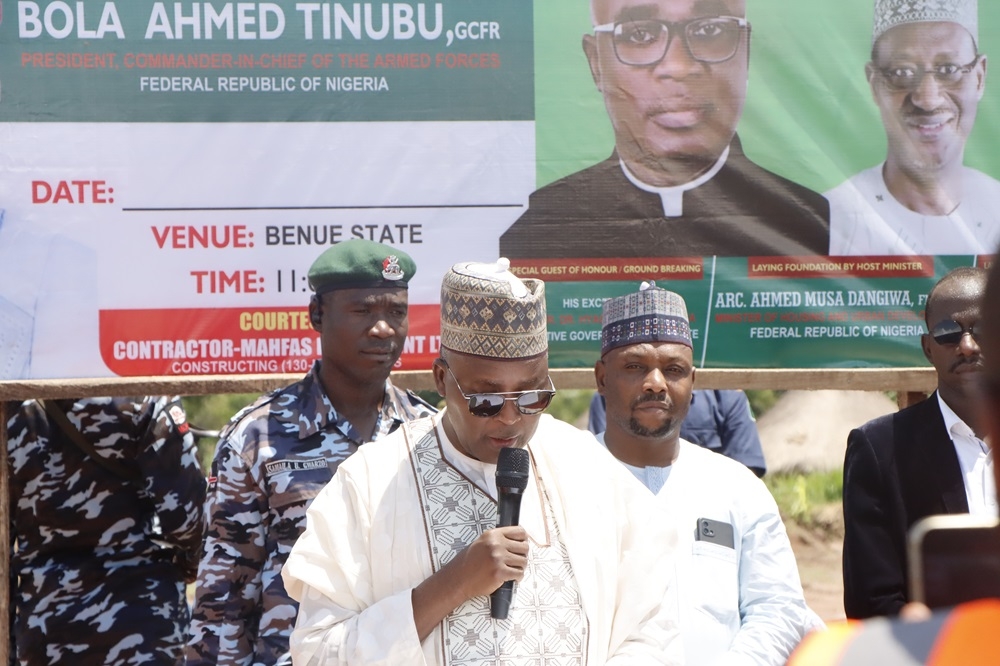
[{"x": 801, "y": 497}]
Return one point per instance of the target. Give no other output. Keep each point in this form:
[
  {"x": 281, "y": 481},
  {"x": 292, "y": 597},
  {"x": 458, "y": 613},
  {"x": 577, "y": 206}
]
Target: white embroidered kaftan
[{"x": 367, "y": 545}]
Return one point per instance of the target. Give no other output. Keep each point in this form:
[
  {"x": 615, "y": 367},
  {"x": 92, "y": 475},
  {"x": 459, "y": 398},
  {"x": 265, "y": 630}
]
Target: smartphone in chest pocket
[{"x": 715, "y": 531}]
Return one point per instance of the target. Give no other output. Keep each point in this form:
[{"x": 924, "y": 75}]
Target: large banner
[{"x": 169, "y": 171}]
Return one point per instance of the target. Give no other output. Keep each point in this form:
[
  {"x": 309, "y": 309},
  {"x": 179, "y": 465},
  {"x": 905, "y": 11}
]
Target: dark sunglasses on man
[
  {"x": 486, "y": 405},
  {"x": 950, "y": 332}
]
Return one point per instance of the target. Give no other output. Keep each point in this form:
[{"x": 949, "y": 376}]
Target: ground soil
[
  {"x": 806, "y": 431},
  {"x": 818, "y": 552}
]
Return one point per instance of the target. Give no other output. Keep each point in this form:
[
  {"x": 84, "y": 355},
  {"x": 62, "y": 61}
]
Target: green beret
[{"x": 361, "y": 264}]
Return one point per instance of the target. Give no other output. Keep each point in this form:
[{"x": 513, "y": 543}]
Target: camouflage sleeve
[
  {"x": 226, "y": 615},
  {"x": 172, "y": 476},
  {"x": 11, "y": 409}
]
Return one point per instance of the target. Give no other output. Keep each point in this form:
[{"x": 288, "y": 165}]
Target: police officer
[
  {"x": 106, "y": 499},
  {"x": 277, "y": 454}
]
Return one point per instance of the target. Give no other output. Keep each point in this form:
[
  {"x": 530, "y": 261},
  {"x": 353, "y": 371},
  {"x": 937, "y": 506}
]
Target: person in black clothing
[{"x": 673, "y": 74}]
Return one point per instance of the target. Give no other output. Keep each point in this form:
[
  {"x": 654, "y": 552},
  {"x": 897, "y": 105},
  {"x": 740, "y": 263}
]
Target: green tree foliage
[
  {"x": 212, "y": 413},
  {"x": 762, "y": 400},
  {"x": 571, "y": 405}
]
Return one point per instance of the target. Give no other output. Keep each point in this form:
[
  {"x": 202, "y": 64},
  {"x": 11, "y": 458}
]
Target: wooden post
[
  {"x": 906, "y": 398},
  {"x": 5, "y": 610}
]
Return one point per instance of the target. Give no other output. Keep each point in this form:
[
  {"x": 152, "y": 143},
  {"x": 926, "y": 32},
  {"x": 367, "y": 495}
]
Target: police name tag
[{"x": 278, "y": 466}]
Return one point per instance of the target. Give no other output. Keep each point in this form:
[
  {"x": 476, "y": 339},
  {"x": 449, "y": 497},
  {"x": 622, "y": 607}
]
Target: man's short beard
[{"x": 640, "y": 430}]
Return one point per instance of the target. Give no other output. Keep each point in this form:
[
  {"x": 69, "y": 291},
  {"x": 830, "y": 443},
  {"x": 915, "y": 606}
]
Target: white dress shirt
[{"x": 976, "y": 461}]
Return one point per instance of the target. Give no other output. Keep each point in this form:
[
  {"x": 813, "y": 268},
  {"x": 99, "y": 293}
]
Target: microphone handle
[
  {"x": 509, "y": 508},
  {"x": 509, "y": 512},
  {"x": 500, "y": 600}
]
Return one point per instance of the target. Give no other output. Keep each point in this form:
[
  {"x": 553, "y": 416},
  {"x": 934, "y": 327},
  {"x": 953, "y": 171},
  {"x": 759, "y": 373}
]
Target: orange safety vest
[{"x": 967, "y": 635}]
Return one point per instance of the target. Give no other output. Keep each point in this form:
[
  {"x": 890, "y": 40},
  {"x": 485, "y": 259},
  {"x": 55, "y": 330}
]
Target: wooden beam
[{"x": 853, "y": 379}]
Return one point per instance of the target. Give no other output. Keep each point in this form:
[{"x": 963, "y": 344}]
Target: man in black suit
[
  {"x": 673, "y": 74},
  {"x": 927, "y": 459}
]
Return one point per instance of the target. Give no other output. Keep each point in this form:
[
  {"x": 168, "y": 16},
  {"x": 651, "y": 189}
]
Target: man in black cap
[
  {"x": 402, "y": 548},
  {"x": 276, "y": 455},
  {"x": 738, "y": 592}
]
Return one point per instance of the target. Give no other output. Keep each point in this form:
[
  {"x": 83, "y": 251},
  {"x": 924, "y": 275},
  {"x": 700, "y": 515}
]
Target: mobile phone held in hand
[{"x": 954, "y": 559}]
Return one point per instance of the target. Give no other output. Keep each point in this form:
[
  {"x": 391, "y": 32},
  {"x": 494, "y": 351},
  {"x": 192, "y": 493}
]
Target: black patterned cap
[
  {"x": 488, "y": 311},
  {"x": 361, "y": 264},
  {"x": 651, "y": 314}
]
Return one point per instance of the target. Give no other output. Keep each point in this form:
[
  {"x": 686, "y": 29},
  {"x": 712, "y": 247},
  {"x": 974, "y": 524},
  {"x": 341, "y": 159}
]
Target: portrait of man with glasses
[
  {"x": 926, "y": 459},
  {"x": 927, "y": 77},
  {"x": 673, "y": 75},
  {"x": 405, "y": 545}
]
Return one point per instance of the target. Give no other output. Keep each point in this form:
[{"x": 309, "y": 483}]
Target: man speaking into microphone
[
  {"x": 512, "y": 479},
  {"x": 404, "y": 547}
]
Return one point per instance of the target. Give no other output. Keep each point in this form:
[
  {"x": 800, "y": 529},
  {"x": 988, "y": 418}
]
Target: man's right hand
[{"x": 496, "y": 556}]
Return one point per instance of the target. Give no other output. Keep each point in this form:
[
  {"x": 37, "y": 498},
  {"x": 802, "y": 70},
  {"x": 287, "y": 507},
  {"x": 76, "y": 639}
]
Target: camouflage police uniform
[
  {"x": 272, "y": 460},
  {"x": 99, "y": 559}
]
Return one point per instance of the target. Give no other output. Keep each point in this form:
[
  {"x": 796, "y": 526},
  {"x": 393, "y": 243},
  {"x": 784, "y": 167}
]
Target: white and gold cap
[{"x": 488, "y": 311}]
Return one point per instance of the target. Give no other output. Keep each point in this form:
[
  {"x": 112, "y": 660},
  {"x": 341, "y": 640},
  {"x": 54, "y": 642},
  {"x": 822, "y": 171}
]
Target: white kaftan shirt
[
  {"x": 365, "y": 548},
  {"x": 865, "y": 219},
  {"x": 738, "y": 605}
]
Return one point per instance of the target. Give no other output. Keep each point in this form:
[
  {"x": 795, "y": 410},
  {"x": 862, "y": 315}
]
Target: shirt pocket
[
  {"x": 293, "y": 480},
  {"x": 715, "y": 582}
]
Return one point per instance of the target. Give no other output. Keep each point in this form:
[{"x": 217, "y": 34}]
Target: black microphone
[{"x": 512, "y": 479}]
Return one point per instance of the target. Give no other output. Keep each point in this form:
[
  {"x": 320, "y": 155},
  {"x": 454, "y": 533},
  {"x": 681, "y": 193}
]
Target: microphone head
[{"x": 512, "y": 468}]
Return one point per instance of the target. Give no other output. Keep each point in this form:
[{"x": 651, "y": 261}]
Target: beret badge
[{"x": 391, "y": 270}]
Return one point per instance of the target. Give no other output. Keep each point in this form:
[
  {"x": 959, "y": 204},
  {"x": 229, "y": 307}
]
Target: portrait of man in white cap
[
  {"x": 673, "y": 76},
  {"x": 927, "y": 78}
]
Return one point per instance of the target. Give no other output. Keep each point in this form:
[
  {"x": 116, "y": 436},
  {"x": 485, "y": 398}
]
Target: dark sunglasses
[
  {"x": 950, "y": 332},
  {"x": 486, "y": 405}
]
